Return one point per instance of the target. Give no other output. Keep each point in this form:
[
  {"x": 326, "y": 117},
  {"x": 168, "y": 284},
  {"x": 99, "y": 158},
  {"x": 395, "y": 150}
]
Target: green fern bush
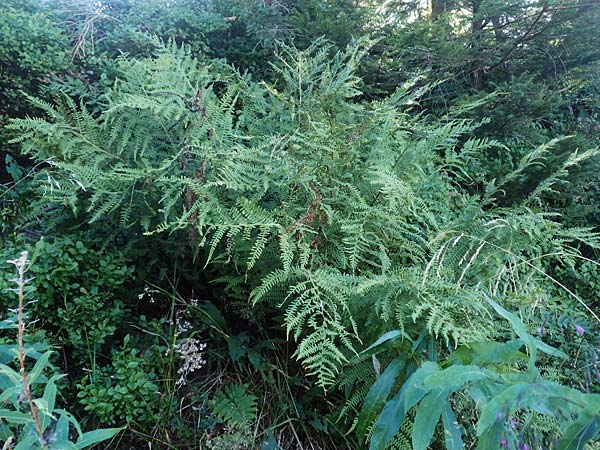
[{"x": 350, "y": 217}]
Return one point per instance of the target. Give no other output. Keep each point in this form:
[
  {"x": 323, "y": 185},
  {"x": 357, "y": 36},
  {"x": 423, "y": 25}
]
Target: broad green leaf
[
  {"x": 7, "y": 324},
  {"x": 490, "y": 438},
  {"x": 522, "y": 332},
  {"x": 580, "y": 432},
  {"x": 377, "y": 395},
  {"x": 61, "y": 431},
  {"x": 455, "y": 377},
  {"x": 41, "y": 405},
  {"x": 29, "y": 443},
  {"x": 14, "y": 376},
  {"x": 15, "y": 416},
  {"x": 497, "y": 409},
  {"x": 237, "y": 349},
  {"x": 416, "y": 388},
  {"x": 93, "y": 437},
  {"x": 515, "y": 322},
  {"x": 389, "y": 421},
  {"x": 5, "y": 433},
  {"x": 389, "y": 336},
  {"x": 427, "y": 417},
  {"x": 68, "y": 418},
  {"x": 13, "y": 169},
  {"x": 11, "y": 394},
  {"x": 477, "y": 394},
  {"x": 62, "y": 445},
  {"x": 549, "y": 350},
  {"x": 50, "y": 391},
  {"x": 452, "y": 430},
  {"x": 5, "y": 382},
  {"x": 485, "y": 353},
  {"x": 10, "y": 352},
  {"x": 39, "y": 367},
  {"x": 271, "y": 443}
]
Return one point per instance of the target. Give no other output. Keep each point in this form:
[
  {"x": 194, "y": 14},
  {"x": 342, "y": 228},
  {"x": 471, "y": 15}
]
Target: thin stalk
[{"x": 21, "y": 264}]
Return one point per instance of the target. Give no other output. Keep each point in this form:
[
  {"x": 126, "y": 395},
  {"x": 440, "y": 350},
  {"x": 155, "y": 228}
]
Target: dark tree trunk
[
  {"x": 438, "y": 7},
  {"x": 477, "y": 24}
]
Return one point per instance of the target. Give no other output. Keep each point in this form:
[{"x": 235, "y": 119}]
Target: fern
[
  {"x": 349, "y": 216},
  {"x": 235, "y": 406}
]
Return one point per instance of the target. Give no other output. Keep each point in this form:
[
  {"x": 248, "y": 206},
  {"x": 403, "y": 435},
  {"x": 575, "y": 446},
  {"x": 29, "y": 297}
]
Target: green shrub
[
  {"x": 79, "y": 290},
  {"x": 123, "y": 392},
  {"x": 29, "y": 418},
  {"x": 348, "y": 219}
]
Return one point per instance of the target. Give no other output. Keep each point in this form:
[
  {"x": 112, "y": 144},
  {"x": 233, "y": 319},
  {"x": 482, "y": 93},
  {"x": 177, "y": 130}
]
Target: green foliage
[
  {"x": 32, "y": 44},
  {"x": 235, "y": 406},
  {"x": 123, "y": 392},
  {"x": 30, "y": 418},
  {"x": 403, "y": 181},
  {"x": 78, "y": 288},
  {"x": 499, "y": 397},
  {"x": 356, "y": 219}
]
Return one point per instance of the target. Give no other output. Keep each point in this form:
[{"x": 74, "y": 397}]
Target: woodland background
[{"x": 299, "y": 224}]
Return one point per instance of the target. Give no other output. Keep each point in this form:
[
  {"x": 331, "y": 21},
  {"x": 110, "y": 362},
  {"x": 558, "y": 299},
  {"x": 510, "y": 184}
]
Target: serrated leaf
[
  {"x": 235, "y": 406},
  {"x": 237, "y": 349}
]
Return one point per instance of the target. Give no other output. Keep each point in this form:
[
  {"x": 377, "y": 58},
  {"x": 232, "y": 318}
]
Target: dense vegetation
[{"x": 299, "y": 224}]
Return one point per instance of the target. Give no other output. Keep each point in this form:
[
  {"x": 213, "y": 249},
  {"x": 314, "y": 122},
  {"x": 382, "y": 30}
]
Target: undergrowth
[{"x": 296, "y": 263}]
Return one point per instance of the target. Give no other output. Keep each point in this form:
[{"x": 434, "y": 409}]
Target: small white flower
[{"x": 190, "y": 350}]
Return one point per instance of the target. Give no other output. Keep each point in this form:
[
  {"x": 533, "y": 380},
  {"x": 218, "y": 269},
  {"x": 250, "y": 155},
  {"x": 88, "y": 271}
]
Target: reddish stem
[{"x": 21, "y": 264}]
